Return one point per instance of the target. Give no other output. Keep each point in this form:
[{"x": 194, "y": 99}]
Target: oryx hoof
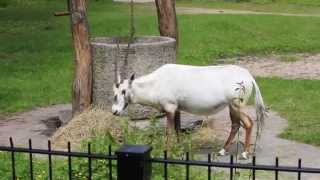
[
  {"x": 245, "y": 156},
  {"x": 222, "y": 152}
]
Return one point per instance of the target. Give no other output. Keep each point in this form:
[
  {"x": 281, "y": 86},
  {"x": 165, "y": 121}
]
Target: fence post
[{"x": 133, "y": 162}]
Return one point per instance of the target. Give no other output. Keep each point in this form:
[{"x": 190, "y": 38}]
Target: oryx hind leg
[
  {"x": 238, "y": 115},
  {"x": 247, "y": 123},
  {"x": 235, "y": 125}
]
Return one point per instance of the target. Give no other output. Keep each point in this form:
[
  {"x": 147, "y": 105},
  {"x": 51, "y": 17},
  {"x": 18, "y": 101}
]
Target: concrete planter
[{"x": 150, "y": 52}]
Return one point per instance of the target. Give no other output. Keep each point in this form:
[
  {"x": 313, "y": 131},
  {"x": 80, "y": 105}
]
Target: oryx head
[{"x": 122, "y": 95}]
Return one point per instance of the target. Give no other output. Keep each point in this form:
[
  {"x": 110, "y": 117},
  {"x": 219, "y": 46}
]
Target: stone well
[{"x": 146, "y": 54}]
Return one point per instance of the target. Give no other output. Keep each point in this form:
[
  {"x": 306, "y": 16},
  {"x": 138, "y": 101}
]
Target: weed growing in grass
[{"x": 289, "y": 58}]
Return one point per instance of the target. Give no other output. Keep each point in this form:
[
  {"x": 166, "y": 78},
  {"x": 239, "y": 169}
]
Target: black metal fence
[{"x": 133, "y": 162}]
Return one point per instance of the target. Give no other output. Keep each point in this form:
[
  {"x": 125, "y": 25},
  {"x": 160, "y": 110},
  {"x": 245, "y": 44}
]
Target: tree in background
[{"x": 167, "y": 18}]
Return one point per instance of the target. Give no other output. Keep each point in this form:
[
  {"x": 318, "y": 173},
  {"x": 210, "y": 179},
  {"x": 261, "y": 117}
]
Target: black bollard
[{"x": 133, "y": 162}]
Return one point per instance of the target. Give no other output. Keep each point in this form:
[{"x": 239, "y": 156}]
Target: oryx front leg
[
  {"x": 177, "y": 123},
  {"x": 170, "y": 110},
  {"x": 170, "y": 122},
  {"x": 173, "y": 124}
]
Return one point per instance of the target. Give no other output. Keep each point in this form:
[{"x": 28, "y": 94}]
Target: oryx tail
[{"x": 261, "y": 111}]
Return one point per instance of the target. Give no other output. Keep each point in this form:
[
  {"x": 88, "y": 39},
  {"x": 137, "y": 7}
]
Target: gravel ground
[{"x": 298, "y": 66}]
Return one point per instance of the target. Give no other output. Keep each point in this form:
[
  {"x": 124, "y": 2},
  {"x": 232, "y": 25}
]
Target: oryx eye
[{"x": 123, "y": 92}]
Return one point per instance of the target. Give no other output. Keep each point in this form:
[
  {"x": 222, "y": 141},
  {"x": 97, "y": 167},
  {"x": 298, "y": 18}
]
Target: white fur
[{"x": 202, "y": 90}]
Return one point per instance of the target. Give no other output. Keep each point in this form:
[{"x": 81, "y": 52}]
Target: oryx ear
[
  {"x": 115, "y": 87},
  {"x": 131, "y": 78}
]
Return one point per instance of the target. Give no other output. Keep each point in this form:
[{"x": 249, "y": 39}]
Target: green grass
[
  {"x": 36, "y": 52},
  {"x": 298, "y": 101},
  {"x": 220, "y": 36},
  {"x": 36, "y": 57},
  {"x": 280, "y": 6}
]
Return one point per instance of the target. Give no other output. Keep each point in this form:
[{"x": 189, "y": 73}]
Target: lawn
[
  {"x": 36, "y": 55},
  {"x": 35, "y": 58},
  {"x": 298, "y": 101}
]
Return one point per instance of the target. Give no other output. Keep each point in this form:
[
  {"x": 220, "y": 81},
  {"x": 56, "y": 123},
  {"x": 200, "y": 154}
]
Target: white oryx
[{"x": 202, "y": 90}]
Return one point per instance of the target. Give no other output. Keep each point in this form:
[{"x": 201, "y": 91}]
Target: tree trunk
[
  {"x": 82, "y": 84},
  {"x": 167, "y": 18}
]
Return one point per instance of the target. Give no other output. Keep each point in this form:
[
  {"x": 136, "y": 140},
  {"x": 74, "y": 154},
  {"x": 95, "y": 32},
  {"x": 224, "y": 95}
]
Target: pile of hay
[
  {"x": 88, "y": 124},
  {"x": 97, "y": 122},
  {"x": 204, "y": 137}
]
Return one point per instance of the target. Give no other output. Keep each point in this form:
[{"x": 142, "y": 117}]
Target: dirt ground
[{"x": 38, "y": 124}]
